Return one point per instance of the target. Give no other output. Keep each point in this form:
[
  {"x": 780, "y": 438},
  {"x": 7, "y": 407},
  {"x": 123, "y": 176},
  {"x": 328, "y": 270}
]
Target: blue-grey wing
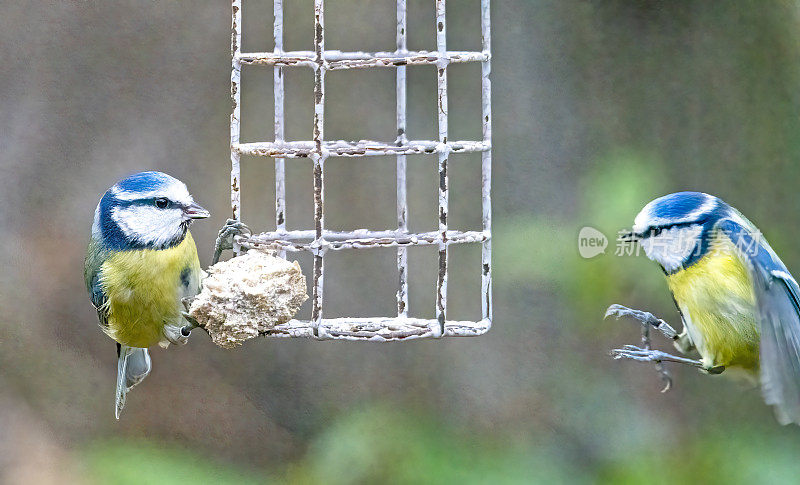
[
  {"x": 92, "y": 272},
  {"x": 778, "y": 312},
  {"x": 98, "y": 298}
]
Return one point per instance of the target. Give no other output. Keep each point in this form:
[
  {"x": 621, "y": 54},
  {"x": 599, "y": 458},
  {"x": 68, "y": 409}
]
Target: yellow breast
[
  {"x": 144, "y": 288},
  {"x": 716, "y": 298}
]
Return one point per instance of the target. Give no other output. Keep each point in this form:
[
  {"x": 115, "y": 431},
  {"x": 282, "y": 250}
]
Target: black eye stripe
[
  {"x": 149, "y": 201},
  {"x": 656, "y": 230}
]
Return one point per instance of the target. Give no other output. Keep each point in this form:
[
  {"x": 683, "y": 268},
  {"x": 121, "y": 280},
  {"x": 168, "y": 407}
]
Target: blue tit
[
  {"x": 739, "y": 306},
  {"x": 140, "y": 263}
]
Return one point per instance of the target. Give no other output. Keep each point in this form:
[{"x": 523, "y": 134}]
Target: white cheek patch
[
  {"x": 149, "y": 225},
  {"x": 672, "y": 247}
]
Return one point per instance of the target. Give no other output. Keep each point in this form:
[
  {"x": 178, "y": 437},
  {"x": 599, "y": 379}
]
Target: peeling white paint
[{"x": 320, "y": 240}]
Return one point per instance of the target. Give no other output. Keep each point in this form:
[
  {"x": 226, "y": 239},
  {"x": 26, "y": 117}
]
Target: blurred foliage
[
  {"x": 381, "y": 444},
  {"x": 138, "y": 463},
  {"x": 599, "y": 107},
  {"x": 719, "y": 456}
]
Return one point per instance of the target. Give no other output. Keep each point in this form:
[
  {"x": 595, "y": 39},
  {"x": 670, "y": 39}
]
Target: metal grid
[{"x": 320, "y": 240}]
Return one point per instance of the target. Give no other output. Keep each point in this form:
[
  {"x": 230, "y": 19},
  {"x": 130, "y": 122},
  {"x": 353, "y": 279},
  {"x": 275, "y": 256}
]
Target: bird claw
[
  {"x": 666, "y": 379},
  {"x": 637, "y": 353},
  {"x": 646, "y": 355},
  {"x": 186, "y": 330},
  {"x": 187, "y": 303},
  {"x": 225, "y": 237},
  {"x": 645, "y": 318},
  {"x": 616, "y": 310},
  {"x": 650, "y": 355},
  {"x": 175, "y": 334}
]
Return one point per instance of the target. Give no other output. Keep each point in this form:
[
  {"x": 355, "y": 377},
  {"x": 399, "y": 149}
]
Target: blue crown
[
  {"x": 679, "y": 205},
  {"x": 144, "y": 182}
]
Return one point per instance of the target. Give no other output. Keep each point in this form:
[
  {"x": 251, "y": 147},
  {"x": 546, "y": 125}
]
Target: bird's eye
[
  {"x": 653, "y": 231},
  {"x": 162, "y": 202}
]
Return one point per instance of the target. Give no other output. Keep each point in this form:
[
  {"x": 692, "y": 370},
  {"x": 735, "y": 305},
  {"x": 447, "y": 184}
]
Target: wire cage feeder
[{"x": 319, "y": 240}]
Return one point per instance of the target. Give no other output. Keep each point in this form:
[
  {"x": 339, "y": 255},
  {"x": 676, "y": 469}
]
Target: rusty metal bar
[
  {"x": 328, "y": 235},
  {"x": 402, "y": 139},
  {"x": 354, "y": 240},
  {"x": 319, "y": 240},
  {"x": 379, "y": 329},
  {"x": 486, "y": 164},
  {"x": 337, "y": 60},
  {"x": 318, "y": 157},
  {"x": 236, "y": 74},
  {"x": 278, "y": 94},
  {"x": 362, "y": 148},
  {"x": 444, "y": 152}
]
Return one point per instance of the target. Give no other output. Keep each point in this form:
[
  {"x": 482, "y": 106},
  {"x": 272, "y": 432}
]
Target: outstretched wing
[
  {"x": 92, "y": 269},
  {"x": 778, "y": 312}
]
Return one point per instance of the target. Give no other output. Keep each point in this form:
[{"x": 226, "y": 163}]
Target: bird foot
[
  {"x": 656, "y": 356},
  {"x": 192, "y": 322},
  {"x": 645, "y": 353},
  {"x": 651, "y": 355},
  {"x": 225, "y": 237},
  {"x": 187, "y": 302},
  {"x": 645, "y": 318},
  {"x": 175, "y": 334}
]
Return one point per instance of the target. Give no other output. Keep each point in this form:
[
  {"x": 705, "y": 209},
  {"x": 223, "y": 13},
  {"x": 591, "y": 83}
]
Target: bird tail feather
[{"x": 133, "y": 365}]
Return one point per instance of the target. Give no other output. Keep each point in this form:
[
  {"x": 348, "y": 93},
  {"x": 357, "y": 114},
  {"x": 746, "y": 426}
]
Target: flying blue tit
[
  {"x": 739, "y": 306},
  {"x": 140, "y": 263}
]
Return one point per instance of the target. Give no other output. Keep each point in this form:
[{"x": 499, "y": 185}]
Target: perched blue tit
[
  {"x": 140, "y": 263},
  {"x": 739, "y": 306}
]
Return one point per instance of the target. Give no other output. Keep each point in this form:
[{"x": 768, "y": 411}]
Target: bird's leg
[
  {"x": 179, "y": 335},
  {"x": 192, "y": 322},
  {"x": 647, "y": 319},
  {"x": 684, "y": 343},
  {"x": 657, "y": 356},
  {"x": 175, "y": 334},
  {"x": 646, "y": 353},
  {"x": 225, "y": 237},
  {"x": 224, "y": 241}
]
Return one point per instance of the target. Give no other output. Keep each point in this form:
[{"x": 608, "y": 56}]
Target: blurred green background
[{"x": 599, "y": 107}]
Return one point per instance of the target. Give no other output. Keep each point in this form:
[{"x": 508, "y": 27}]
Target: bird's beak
[
  {"x": 630, "y": 236},
  {"x": 194, "y": 211}
]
